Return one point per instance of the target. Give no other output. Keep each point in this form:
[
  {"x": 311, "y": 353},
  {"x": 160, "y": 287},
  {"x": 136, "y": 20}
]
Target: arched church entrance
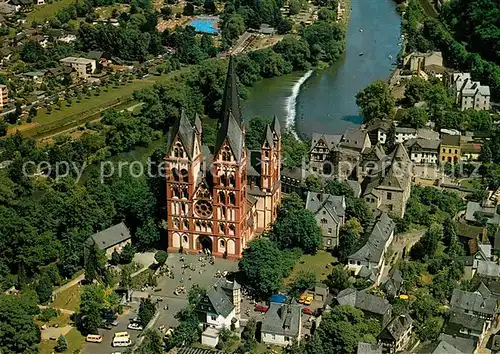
[{"x": 205, "y": 243}]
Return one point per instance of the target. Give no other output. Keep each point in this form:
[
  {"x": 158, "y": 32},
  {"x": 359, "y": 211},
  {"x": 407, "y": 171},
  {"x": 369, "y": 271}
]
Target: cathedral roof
[
  {"x": 197, "y": 123},
  {"x": 269, "y": 136},
  {"x": 185, "y": 132},
  {"x": 276, "y": 126},
  {"x": 230, "y": 123}
]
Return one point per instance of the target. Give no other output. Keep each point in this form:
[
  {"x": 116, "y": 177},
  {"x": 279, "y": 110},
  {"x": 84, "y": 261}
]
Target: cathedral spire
[{"x": 231, "y": 99}]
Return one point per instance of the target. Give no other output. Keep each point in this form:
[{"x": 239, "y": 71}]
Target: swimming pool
[{"x": 205, "y": 25}]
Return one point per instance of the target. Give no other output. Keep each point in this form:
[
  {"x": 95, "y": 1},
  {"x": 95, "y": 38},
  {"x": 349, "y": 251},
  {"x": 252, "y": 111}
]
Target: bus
[
  {"x": 122, "y": 334},
  {"x": 94, "y": 338},
  {"x": 121, "y": 342}
]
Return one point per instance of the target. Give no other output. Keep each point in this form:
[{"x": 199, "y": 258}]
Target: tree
[
  {"x": 343, "y": 328},
  {"x": 115, "y": 258},
  {"x": 18, "y": 331},
  {"x": 256, "y": 132},
  {"x": 161, "y": 257},
  {"x": 414, "y": 117},
  {"x": 146, "y": 312},
  {"x": 126, "y": 277},
  {"x": 416, "y": 90},
  {"x": 264, "y": 266},
  {"x": 376, "y": 101},
  {"x": 127, "y": 254},
  {"x": 430, "y": 329},
  {"x": 95, "y": 261},
  {"x": 305, "y": 279},
  {"x": 3, "y": 127},
  {"x": 428, "y": 243},
  {"x": 152, "y": 343},
  {"x": 188, "y": 9},
  {"x": 339, "y": 279},
  {"x": 297, "y": 229},
  {"x": 92, "y": 302},
  {"x": 43, "y": 289},
  {"x": 62, "y": 344},
  {"x": 290, "y": 203},
  {"x": 195, "y": 294},
  {"x": 348, "y": 239}
]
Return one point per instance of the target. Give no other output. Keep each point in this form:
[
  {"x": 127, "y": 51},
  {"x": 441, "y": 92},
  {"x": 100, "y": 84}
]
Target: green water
[{"x": 326, "y": 100}]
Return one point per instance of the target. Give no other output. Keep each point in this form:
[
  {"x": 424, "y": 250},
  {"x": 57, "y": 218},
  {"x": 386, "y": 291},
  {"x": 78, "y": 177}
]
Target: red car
[
  {"x": 307, "y": 311},
  {"x": 261, "y": 308}
]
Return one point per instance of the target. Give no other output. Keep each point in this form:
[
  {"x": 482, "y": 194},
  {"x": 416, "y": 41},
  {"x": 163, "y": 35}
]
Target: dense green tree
[
  {"x": 127, "y": 254},
  {"x": 18, "y": 331},
  {"x": 290, "y": 203},
  {"x": 147, "y": 311},
  {"x": 348, "y": 242},
  {"x": 297, "y": 229},
  {"x": 414, "y": 117},
  {"x": 95, "y": 260},
  {"x": 152, "y": 343},
  {"x": 126, "y": 277},
  {"x": 343, "y": 328},
  {"x": 325, "y": 39},
  {"x": 92, "y": 303},
  {"x": 339, "y": 279},
  {"x": 43, "y": 289},
  {"x": 416, "y": 90},
  {"x": 187, "y": 332},
  {"x": 428, "y": 243},
  {"x": 303, "y": 280},
  {"x": 62, "y": 344},
  {"x": 264, "y": 266},
  {"x": 3, "y": 127},
  {"x": 161, "y": 257},
  {"x": 256, "y": 132},
  {"x": 375, "y": 101}
]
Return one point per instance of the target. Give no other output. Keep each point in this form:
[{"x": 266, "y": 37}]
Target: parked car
[
  {"x": 261, "y": 308},
  {"x": 135, "y": 319},
  {"x": 301, "y": 299},
  {"x": 106, "y": 325},
  {"x": 135, "y": 326},
  {"x": 115, "y": 323},
  {"x": 308, "y": 300},
  {"x": 307, "y": 311}
]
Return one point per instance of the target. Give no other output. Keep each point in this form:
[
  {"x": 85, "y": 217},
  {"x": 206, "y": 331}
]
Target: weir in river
[{"x": 324, "y": 100}]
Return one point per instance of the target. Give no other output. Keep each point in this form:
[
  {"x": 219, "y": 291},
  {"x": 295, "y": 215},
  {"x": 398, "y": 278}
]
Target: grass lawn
[
  {"x": 468, "y": 183},
  {"x": 75, "y": 343},
  {"x": 61, "y": 320},
  {"x": 69, "y": 299},
  {"x": 320, "y": 264},
  {"x": 47, "y": 11}
]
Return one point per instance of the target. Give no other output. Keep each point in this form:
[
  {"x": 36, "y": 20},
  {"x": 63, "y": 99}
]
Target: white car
[{"x": 135, "y": 326}]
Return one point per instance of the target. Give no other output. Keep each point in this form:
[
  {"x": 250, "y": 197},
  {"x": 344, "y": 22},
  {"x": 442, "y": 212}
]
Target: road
[{"x": 69, "y": 285}]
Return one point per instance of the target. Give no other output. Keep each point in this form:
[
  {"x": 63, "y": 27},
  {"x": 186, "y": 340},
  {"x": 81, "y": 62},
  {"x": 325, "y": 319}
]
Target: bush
[
  {"x": 161, "y": 257},
  {"x": 47, "y": 314}
]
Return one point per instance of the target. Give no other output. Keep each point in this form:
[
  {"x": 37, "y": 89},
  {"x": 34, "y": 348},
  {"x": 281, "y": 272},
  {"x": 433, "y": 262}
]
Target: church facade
[{"x": 219, "y": 198}]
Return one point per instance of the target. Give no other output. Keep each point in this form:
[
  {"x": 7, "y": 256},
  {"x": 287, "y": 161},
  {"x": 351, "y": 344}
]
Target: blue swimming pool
[{"x": 205, "y": 25}]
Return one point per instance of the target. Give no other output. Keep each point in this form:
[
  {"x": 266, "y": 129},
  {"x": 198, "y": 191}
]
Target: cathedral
[{"x": 219, "y": 198}]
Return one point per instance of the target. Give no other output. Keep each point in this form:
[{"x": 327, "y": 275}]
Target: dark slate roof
[
  {"x": 397, "y": 327},
  {"x": 354, "y": 139},
  {"x": 373, "y": 248},
  {"x": 297, "y": 173},
  {"x": 371, "y": 303},
  {"x": 190, "y": 350},
  {"x": 453, "y": 140},
  {"x": 464, "y": 345},
  {"x": 111, "y": 236},
  {"x": 331, "y": 141},
  {"x": 230, "y": 121},
  {"x": 367, "y": 348},
  {"x": 282, "y": 319},
  {"x": 443, "y": 347},
  {"x": 231, "y": 132},
  {"x": 276, "y": 126},
  {"x": 393, "y": 285},
  {"x": 269, "y": 136},
  {"x": 227, "y": 284},
  {"x": 333, "y": 205},
  {"x": 468, "y": 301},
  {"x": 216, "y": 300},
  {"x": 186, "y": 134},
  {"x": 377, "y": 123},
  {"x": 422, "y": 144},
  {"x": 467, "y": 321},
  {"x": 363, "y": 301},
  {"x": 197, "y": 123}
]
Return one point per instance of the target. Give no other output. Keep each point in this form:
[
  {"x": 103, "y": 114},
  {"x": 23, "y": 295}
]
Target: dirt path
[{"x": 69, "y": 285}]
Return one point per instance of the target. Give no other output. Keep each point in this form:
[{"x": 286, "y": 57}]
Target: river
[{"x": 324, "y": 100}]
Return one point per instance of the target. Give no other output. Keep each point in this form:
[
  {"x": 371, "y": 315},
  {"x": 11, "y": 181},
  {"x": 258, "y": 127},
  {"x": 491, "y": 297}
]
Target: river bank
[{"x": 324, "y": 100}]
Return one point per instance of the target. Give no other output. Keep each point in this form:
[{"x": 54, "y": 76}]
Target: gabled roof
[
  {"x": 197, "y": 123},
  {"x": 186, "y": 134},
  {"x": 333, "y": 205},
  {"x": 451, "y": 140},
  {"x": 231, "y": 133},
  {"x": 231, "y": 99},
  {"x": 423, "y": 144},
  {"x": 331, "y": 141},
  {"x": 367, "y": 348},
  {"x": 269, "y": 136},
  {"x": 467, "y": 321},
  {"x": 283, "y": 319},
  {"x": 110, "y": 237},
  {"x": 363, "y": 301},
  {"x": 216, "y": 301},
  {"x": 463, "y": 345},
  {"x": 468, "y": 301},
  {"x": 397, "y": 327},
  {"x": 378, "y": 124},
  {"x": 276, "y": 127},
  {"x": 353, "y": 139}
]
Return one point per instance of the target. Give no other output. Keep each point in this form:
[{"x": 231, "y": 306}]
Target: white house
[
  {"x": 423, "y": 151},
  {"x": 216, "y": 310},
  {"x": 404, "y": 133},
  {"x": 282, "y": 324}
]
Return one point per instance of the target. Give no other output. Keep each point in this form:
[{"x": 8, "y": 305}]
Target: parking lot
[{"x": 107, "y": 335}]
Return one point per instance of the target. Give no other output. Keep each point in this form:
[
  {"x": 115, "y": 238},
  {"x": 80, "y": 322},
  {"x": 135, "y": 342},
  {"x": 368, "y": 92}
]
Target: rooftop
[
  {"x": 111, "y": 236},
  {"x": 283, "y": 319}
]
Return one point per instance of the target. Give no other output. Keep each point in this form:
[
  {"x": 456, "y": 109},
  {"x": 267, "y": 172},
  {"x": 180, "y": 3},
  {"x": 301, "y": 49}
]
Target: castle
[{"x": 220, "y": 198}]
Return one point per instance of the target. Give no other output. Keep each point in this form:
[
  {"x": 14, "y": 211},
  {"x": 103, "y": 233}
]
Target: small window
[
  {"x": 222, "y": 243},
  {"x": 213, "y": 318},
  {"x": 324, "y": 221},
  {"x": 329, "y": 231},
  {"x": 389, "y": 196},
  {"x": 390, "y": 206}
]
